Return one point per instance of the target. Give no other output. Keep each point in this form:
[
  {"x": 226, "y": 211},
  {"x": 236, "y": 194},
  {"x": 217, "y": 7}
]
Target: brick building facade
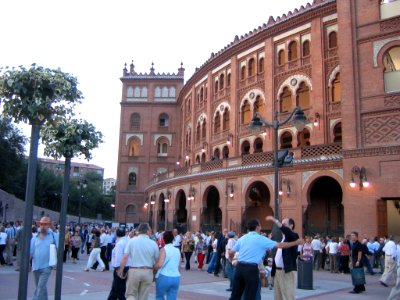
[{"x": 339, "y": 61}]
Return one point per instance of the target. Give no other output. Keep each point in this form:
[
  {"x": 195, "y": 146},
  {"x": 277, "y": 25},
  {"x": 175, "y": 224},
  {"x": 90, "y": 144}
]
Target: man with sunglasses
[{"x": 40, "y": 254}]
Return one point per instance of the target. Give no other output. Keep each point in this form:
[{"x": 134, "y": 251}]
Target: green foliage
[
  {"x": 69, "y": 138},
  {"x": 12, "y": 162},
  {"x": 48, "y": 189},
  {"x": 37, "y": 94}
]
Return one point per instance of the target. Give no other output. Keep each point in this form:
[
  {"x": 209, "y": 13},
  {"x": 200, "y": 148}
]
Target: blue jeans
[
  {"x": 229, "y": 272},
  {"x": 211, "y": 265},
  {"x": 41, "y": 278},
  {"x": 167, "y": 285}
]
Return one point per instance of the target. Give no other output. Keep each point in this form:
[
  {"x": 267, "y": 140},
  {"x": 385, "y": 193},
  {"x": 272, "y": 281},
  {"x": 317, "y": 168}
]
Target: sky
[{"x": 92, "y": 40}]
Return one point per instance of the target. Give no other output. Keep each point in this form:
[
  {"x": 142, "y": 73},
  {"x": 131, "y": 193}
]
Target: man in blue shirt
[
  {"x": 252, "y": 248},
  {"x": 40, "y": 254}
]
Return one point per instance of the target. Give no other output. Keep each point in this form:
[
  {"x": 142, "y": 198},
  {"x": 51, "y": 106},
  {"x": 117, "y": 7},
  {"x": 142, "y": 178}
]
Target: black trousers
[
  {"x": 217, "y": 265},
  {"x": 118, "y": 286},
  {"x": 109, "y": 251},
  {"x": 245, "y": 281}
]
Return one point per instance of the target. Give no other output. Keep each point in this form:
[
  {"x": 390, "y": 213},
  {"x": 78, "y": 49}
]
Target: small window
[
  {"x": 258, "y": 145},
  {"x": 306, "y": 48},
  {"x": 164, "y": 120},
  {"x": 286, "y": 140},
  {"x": 225, "y": 152},
  {"x": 135, "y": 121},
  {"x": 132, "y": 178},
  {"x": 225, "y": 123},
  {"x": 165, "y": 92},
  {"x": 259, "y": 105},
  {"x": 130, "y": 209},
  {"x": 286, "y": 100},
  {"x": 204, "y": 130},
  {"x": 228, "y": 80},
  {"x": 221, "y": 81},
  {"x": 216, "y": 87},
  {"x": 332, "y": 40},
  {"x": 137, "y": 92},
  {"x": 217, "y": 154},
  {"x": 293, "y": 51},
  {"x": 243, "y": 73},
  {"x": 162, "y": 148},
  {"x": 303, "y": 96},
  {"x": 337, "y": 133},
  {"x": 251, "y": 67},
  {"x": 261, "y": 65},
  {"x": 245, "y": 148},
  {"x": 336, "y": 90},
  {"x": 281, "y": 57},
  {"x": 129, "y": 92},
  {"x": 203, "y": 158},
  {"x": 217, "y": 123},
  {"x": 157, "y": 92},
  {"x": 201, "y": 94},
  {"x": 134, "y": 147},
  {"x": 246, "y": 114},
  {"x": 171, "y": 92},
  {"x": 198, "y": 132},
  {"x": 303, "y": 138},
  {"x": 144, "y": 92}
]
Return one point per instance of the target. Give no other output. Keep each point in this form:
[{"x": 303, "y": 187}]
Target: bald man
[{"x": 40, "y": 254}]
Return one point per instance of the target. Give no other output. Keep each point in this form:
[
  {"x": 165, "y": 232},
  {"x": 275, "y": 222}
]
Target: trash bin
[{"x": 305, "y": 273}]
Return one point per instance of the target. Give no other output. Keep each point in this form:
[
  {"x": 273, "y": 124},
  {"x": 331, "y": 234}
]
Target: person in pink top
[{"x": 307, "y": 249}]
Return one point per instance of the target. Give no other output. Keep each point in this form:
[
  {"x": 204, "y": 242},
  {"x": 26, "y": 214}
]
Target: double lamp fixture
[{"x": 361, "y": 173}]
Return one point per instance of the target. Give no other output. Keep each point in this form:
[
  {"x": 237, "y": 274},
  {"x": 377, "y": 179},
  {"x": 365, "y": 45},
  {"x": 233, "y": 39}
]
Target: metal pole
[
  {"x": 80, "y": 204},
  {"x": 29, "y": 199},
  {"x": 276, "y": 233},
  {"x": 63, "y": 219},
  {"x": 166, "y": 216}
]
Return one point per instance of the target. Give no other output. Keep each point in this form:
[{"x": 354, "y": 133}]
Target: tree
[
  {"x": 12, "y": 162},
  {"x": 68, "y": 138},
  {"x": 35, "y": 95}
]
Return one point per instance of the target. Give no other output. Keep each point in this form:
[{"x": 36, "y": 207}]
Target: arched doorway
[
  {"x": 180, "y": 218},
  {"x": 324, "y": 214},
  {"x": 211, "y": 216},
  {"x": 257, "y": 200},
  {"x": 161, "y": 213}
]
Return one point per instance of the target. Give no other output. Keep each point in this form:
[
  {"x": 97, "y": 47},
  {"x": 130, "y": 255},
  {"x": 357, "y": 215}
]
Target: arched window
[
  {"x": 204, "y": 130},
  {"x": 216, "y": 87},
  {"x": 189, "y": 106},
  {"x": 129, "y": 92},
  {"x": 389, "y": 8},
  {"x": 130, "y": 209},
  {"x": 337, "y": 133},
  {"x": 251, "y": 68},
  {"x": 261, "y": 65},
  {"x": 172, "y": 92},
  {"x": 162, "y": 148},
  {"x": 286, "y": 100},
  {"x": 225, "y": 152},
  {"x": 332, "y": 40},
  {"x": 293, "y": 51},
  {"x": 201, "y": 94},
  {"x": 246, "y": 117},
  {"x": 391, "y": 61},
  {"x": 157, "y": 92},
  {"x": 259, "y": 105},
  {"x": 306, "y": 48},
  {"x": 303, "y": 138},
  {"x": 164, "y": 92},
  {"x": 281, "y": 57},
  {"x": 164, "y": 120},
  {"x": 217, "y": 153},
  {"x": 144, "y": 92},
  {"x": 225, "y": 122},
  {"x": 134, "y": 147},
  {"x": 197, "y": 159},
  {"x": 198, "y": 132},
  {"x": 303, "y": 96},
  {"x": 217, "y": 123},
  {"x": 137, "y": 92},
  {"x": 336, "y": 90},
  {"x": 135, "y": 121},
  {"x": 132, "y": 178},
  {"x": 245, "y": 148},
  {"x": 203, "y": 158},
  {"x": 228, "y": 80},
  {"x": 286, "y": 140},
  {"x": 243, "y": 73},
  {"x": 258, "y": 145},
  {"x": 221, "y": 81}
]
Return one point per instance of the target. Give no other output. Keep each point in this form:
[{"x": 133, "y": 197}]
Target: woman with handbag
[{"x": 187, "y": 248}]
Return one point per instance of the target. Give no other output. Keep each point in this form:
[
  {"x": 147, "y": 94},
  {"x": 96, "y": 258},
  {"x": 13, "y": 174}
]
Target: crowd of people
[{"x": 139, "y": 256}]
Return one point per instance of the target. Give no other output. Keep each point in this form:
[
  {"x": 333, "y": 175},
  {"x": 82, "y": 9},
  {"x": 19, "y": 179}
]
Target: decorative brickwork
[
  {"x": 320, "y": 150},
  {"x": 392, "y": 100},
  {"x": 393, "y": 23},
  {"x": 257, "y": 158},
  {"x": 380, "y": 130}
]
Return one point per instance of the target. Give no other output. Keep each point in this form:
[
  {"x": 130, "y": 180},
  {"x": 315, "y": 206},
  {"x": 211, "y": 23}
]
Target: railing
[
  {"x": 212, "y": 165},
  {"x": 181, "y": 171},
  {"x": 257, "y": 158},
  {"x": 321, "y": 150}
]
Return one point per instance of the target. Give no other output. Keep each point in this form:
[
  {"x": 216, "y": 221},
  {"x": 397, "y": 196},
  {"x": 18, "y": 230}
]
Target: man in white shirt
[
  {"x": 395, "y": 292},
  {"x": 390, "y": 262},
  {"x": 119, "y": 283},
  {"x": 316, "y": 246},
  {"x": 228, "y": 267}
]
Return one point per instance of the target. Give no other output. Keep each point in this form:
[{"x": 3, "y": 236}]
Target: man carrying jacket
[{"x": 285, "y": 261}]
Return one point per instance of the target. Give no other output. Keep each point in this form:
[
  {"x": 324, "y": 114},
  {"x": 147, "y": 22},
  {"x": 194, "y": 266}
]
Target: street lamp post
[
  {"x": 82, "y": 185},
  {"x": 258, "y": 123}
]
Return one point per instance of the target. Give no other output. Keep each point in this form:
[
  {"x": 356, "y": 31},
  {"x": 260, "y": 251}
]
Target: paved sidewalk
[{"x": 195, "y": 285}]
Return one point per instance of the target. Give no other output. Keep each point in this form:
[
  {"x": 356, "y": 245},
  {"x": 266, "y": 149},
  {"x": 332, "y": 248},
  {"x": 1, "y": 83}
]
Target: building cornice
[{"x": 368, "y": 152}]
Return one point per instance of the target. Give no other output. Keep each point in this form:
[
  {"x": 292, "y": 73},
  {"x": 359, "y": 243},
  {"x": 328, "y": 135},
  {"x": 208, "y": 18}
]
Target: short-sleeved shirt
[
  {"x": 40, "y": 250},
  {"x": 252, "y": 247},
  {"x": 142, "y": 251}
]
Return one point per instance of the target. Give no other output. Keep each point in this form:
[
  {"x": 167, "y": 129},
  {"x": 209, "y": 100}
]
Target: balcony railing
[
  {"x": 257, "y": 158},
  {"x": 321, "y": 150}
]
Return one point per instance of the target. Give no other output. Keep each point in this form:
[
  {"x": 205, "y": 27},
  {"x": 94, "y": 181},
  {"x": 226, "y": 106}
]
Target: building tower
[{"x": 148, "y": 144}]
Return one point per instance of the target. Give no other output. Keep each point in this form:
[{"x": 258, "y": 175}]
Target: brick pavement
[{"x": 194, "y": 285}]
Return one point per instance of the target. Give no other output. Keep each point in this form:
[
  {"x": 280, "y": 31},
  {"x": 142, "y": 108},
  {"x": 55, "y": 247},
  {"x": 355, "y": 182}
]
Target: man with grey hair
[{"x": 143, "y": 253}]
